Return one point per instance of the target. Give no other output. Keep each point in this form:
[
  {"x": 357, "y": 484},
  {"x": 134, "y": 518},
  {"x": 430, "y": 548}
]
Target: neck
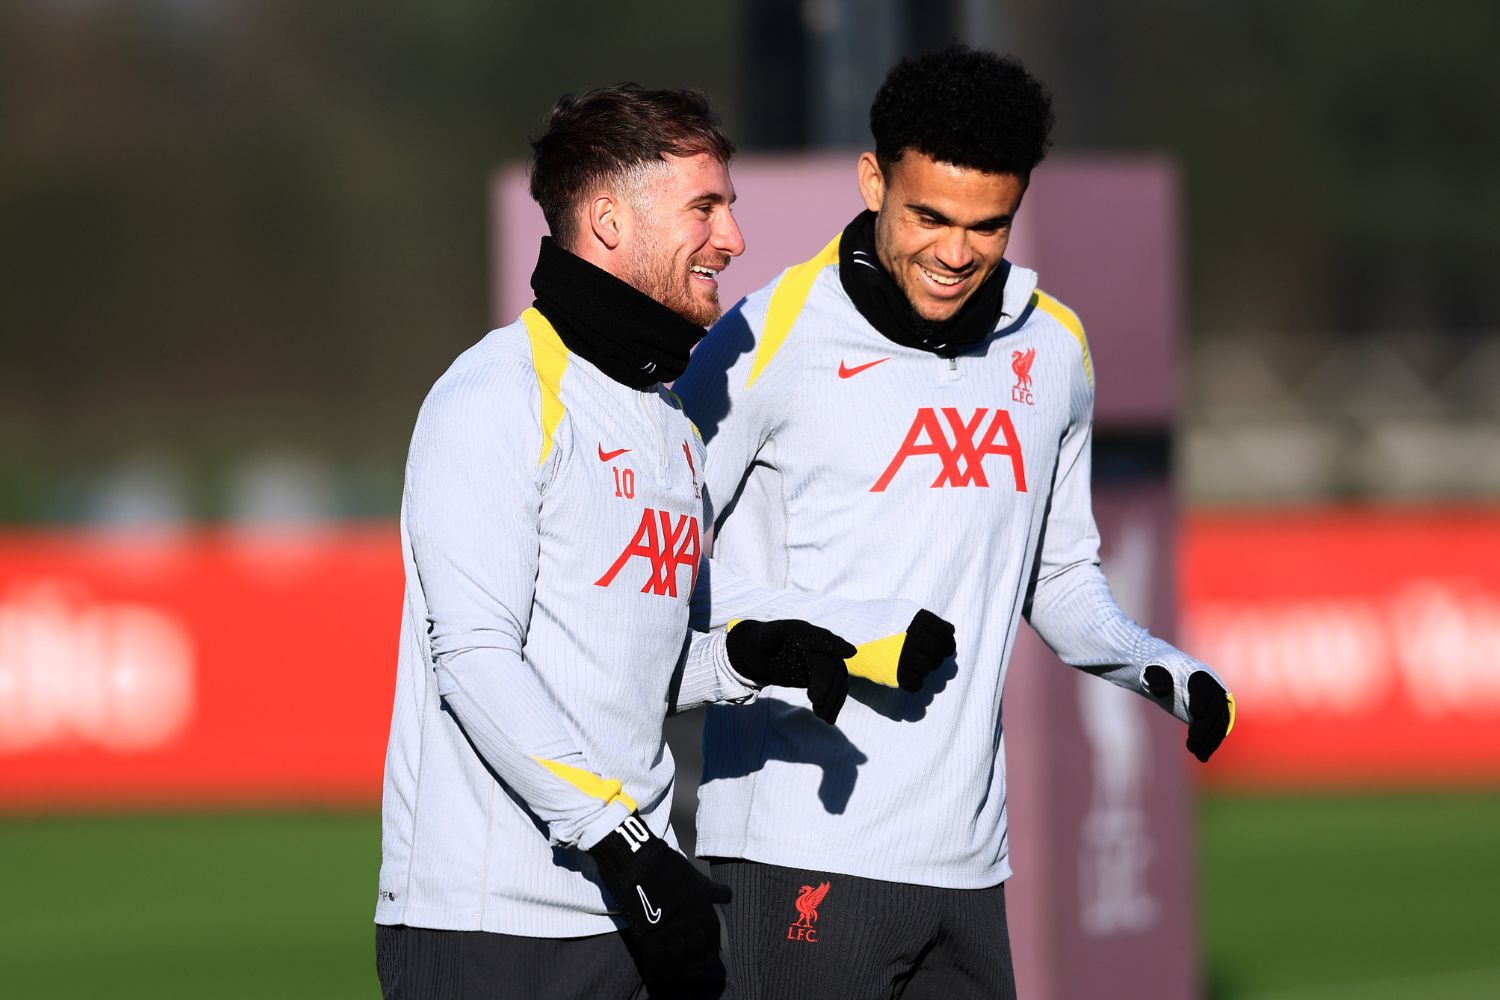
[{"x": 620, "y": 330}]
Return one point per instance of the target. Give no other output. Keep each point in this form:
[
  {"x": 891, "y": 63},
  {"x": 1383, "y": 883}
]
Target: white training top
[
  {"x": 842, "y": 462},
  {"x": 551, "y": 528}
]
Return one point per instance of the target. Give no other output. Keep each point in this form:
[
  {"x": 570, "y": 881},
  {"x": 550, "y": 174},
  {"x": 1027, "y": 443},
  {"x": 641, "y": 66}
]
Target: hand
[
  {"x": 667, "y": 903},
  {"x": 929, "y": 641},
  {"x": 793, "y": 653},
  {"x": 1210, "y": 708}
]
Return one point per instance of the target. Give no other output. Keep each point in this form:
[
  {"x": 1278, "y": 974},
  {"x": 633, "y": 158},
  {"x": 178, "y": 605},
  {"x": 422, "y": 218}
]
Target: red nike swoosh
[
  {"x": 846, "y": 372},
  {"x": 605, "y": 456}
]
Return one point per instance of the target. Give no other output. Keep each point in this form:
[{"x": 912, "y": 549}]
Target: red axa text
[
  {"x": 960, "y": 443},
  {"x": 666, "y": 541}
]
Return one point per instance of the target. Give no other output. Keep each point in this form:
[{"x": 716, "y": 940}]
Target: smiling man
[
  {"x": 551, "y": 531},
  {"x": 908, "y": 412}
]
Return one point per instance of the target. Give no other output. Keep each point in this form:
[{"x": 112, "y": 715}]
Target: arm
[
  {"x": 473, "y": 500},
  {"x": 1071, "y": 607}
]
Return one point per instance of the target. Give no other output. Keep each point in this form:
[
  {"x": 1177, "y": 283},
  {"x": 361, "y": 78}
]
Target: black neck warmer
[
  {"x": 617, "y": 328},
  {"x": 880, "y": 300}
]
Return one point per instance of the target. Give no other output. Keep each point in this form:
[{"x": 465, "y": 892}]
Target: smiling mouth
[
  {"x": 705, "y": 273},
  {"x": 944, "y": 281}
]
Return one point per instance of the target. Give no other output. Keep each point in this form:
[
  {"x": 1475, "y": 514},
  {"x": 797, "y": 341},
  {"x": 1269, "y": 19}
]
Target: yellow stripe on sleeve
[
  {"x": 550, "y": 357},
  {"x": 1230, "y": 699},
  {"x": 606, "y": 790},
  {"x": 1069, "y": 319},
  {"x": 878, "y": 659},
  {"x": 787, "y": 300}
]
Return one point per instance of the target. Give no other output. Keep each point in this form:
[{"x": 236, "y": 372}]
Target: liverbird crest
[
  {"x": 807, "y": 904},
  {"x": 1020, "y": 363}
]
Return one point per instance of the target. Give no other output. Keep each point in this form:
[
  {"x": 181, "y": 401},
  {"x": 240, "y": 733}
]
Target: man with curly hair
[{"x": 908, "y": 412}]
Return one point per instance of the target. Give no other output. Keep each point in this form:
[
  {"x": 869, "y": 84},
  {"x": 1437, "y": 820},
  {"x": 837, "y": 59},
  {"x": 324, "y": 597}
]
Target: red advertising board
[
  {"x": 213, "y": 667},
  {"x": 200, "y": 668},
  {"x": 1363, "y": 646}
]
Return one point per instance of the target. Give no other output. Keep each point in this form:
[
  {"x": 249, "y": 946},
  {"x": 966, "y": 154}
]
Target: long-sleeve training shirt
[
  {"x": 552, "y": 528},
  {"x": 842, "y": 462}
]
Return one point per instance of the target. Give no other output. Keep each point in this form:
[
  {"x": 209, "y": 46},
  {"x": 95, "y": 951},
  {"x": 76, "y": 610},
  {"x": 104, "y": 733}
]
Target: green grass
[
  {"x": 1373, "y": 898},
  {"x": 228, "y": 907},
  {"x": 1357, "y": 898}
]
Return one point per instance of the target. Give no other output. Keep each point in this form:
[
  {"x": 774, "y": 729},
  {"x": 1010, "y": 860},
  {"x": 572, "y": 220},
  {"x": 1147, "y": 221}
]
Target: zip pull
[{"x": 953, "y": 364}]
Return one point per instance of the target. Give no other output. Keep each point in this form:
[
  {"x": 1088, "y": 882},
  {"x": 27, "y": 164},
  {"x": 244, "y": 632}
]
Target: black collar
[
  {"x": 619, "y": 329},
  {"x": 880, "y": 301}
]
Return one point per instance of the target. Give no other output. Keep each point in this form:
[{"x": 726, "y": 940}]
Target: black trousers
[
  {"x": 415, "y": 963},
  {"x": 800, "y": 933}
]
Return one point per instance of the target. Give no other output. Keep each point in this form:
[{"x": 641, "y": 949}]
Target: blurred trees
[{"x": 238, "y": 226}]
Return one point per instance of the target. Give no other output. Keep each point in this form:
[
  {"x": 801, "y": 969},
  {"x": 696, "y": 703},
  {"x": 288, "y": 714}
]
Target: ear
[
  {"x": 871, "y": 182},
  {"x": 605, "y": 217}
]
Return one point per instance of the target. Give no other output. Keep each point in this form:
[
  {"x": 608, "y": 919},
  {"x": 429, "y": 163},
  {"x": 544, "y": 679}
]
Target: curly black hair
[{"x": 966, "y": 107}]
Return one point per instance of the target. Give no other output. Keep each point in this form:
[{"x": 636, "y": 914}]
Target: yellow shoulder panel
[
  {"x": 550, "y": 357},
  {"x": 787, "y": 300},
  {"x": 1069, "y": 319},
  {"x": 590, "y": 784}
]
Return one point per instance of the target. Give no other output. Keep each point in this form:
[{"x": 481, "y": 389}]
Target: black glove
[
  {"x": 672, "y": 929},
  {"x": 793, "y": 653},
  {"x": 929, "y": 641},
  {"x": 1210, "y": 708}
]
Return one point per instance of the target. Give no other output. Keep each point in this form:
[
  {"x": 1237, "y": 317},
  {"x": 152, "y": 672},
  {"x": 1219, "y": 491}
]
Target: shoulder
[
  {"x": 758, "y": 330},
  {"x": 507, "y": 385},
  {"x": 1050, "y": 312}
]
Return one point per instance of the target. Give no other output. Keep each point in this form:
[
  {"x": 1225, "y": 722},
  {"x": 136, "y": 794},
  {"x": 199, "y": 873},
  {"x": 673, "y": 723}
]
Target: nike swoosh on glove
[
  {"x": 789, "y": 652},
  {"x": 672, "y": 929},
  {"x": 1210, "y": 708}
]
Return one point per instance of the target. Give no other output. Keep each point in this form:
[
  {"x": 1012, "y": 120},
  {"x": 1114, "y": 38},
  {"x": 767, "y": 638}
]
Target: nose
[
  {"x": 952, "y": 249},
  {"x": 727, "y": 235}
]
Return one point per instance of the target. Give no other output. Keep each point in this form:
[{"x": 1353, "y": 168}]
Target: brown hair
[{"x": 598, "y": 135}]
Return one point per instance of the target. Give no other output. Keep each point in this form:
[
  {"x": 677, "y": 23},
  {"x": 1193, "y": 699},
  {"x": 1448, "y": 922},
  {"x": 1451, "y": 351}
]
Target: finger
[
  {"x": 1159, "y": 682},
  {"x": 820, "y": 640},
  {"x": 828, "y": 689},
  {"x": 1205, "y": 734}
]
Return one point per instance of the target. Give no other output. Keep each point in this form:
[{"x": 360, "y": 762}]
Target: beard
[{"x": 655, "y": 272}]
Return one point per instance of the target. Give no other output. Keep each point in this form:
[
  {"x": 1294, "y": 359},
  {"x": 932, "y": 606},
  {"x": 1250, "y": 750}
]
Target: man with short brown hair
[{"x": 552, "y": 539}]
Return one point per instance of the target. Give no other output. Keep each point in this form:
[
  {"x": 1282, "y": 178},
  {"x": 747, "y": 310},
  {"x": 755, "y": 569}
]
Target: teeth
[
  {"x": 704, "y": 270},
  {"x": 942, "y": 280}
]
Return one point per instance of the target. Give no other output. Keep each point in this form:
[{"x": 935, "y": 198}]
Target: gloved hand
[
  {"x": 1210, "y": 708},
  {"x": 929, "y": 641},
  {"x": 672, "y": 928},
  {"x": 793, "y": 653},
  {"x": 905, "y": 659}
]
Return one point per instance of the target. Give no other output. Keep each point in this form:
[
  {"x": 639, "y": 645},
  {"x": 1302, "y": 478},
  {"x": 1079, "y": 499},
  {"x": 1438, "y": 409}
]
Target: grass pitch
[
  {"x": 1368, "y": 897},
  {"x": 1375, "y": 898}
]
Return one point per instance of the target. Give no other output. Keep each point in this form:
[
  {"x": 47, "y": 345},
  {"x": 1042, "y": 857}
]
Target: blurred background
[{"x": 239, "y": 239}]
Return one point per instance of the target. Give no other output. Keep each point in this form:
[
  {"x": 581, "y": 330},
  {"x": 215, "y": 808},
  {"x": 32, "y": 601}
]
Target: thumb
[{"x": 718, "y": 892}]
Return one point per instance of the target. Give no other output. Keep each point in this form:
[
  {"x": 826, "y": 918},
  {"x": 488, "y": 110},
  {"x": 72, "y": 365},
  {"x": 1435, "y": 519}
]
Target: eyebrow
[
  {"x": 995, "y": 222},
  {"x": 713, "y": 197}
]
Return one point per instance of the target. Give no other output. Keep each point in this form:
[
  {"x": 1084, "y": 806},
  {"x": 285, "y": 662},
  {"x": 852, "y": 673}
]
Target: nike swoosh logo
[
  {"x": 652, "y": 913},
  {"x": 846, "y": 372},
  {"x": 605, "y": 456}
]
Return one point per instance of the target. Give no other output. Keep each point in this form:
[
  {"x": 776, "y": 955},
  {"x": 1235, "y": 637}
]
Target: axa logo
[
  {"x": 960, "y": 444},
  {"x": 667, "y": 542},
  {"x": 1020, "y": 363},
  {"x": 807, "y": 902}
]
